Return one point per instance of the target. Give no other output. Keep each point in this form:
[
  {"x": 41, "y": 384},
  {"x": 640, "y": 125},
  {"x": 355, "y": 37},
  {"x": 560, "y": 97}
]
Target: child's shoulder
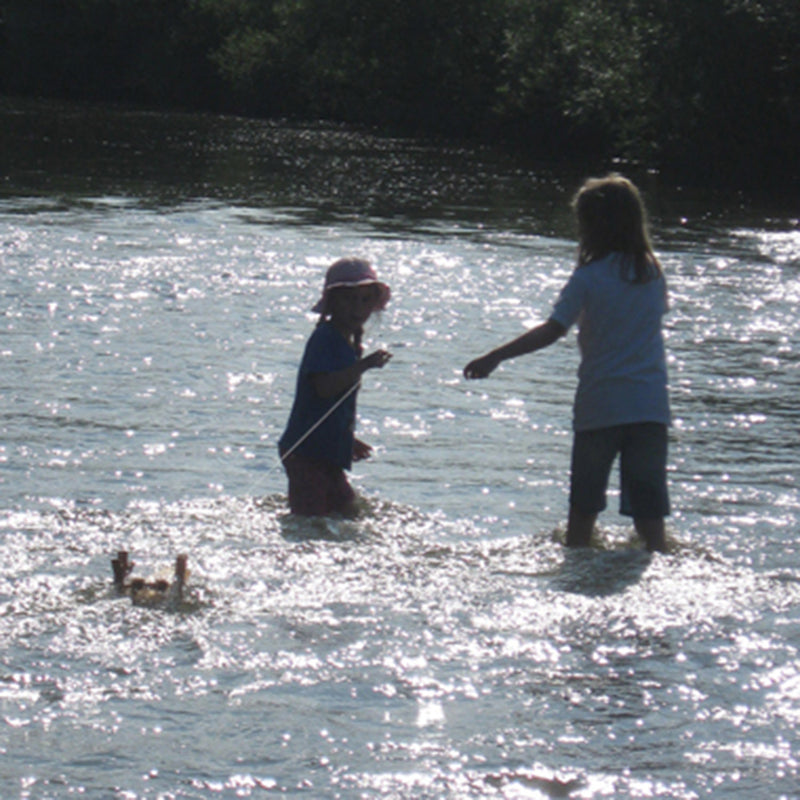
[
  {"x": 322, "y": 336},
  {"x": 611, "y": 260},
  {"x": 321, "y": 329},
  {"x": 324, "y": 332},
  {"x": 614, "y": 265},
  {"x": 598, "y": 269},
  {"x": 326, "y": 342}
]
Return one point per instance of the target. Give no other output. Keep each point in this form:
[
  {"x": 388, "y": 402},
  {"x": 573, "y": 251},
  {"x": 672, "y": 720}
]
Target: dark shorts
[
  {"x": 642, "y": 448},
  {"x": 317, "y": 488}
]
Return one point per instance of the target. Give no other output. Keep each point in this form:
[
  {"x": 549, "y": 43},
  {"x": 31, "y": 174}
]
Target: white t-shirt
[{"x": 622, "y": 377}]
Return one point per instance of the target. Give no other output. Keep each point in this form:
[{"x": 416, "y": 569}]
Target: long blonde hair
[{"x": 612, "y": 218}]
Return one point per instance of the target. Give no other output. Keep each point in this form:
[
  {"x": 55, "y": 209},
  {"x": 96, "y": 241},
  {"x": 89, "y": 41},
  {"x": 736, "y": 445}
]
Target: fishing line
[
  {"x": 283, "y": 456},
  {"x": 319, "y": 422}
]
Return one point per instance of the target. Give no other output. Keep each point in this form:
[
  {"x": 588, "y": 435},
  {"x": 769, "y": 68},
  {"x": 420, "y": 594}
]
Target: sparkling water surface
[{"x": 157, "y": 274}]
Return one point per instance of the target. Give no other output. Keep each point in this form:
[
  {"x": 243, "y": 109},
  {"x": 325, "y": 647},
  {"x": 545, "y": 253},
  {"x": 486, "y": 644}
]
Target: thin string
[{"x": 284, "y": 456}]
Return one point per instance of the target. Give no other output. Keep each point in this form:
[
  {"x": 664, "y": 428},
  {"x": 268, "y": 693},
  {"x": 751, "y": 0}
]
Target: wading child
[
  {"x": 319, "y": 442},
  {"x": 617, "y": 296}
]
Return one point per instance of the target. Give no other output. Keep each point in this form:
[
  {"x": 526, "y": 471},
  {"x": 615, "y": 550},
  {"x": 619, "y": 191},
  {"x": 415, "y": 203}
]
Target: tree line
[{"x": 704, "y": 89}]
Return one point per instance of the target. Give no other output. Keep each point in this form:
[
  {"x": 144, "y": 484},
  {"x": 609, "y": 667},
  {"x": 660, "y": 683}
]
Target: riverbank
[{"x": 705, "y": 96}]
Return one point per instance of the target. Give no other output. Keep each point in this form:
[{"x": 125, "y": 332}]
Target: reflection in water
[{"x": 320, "y": 175}]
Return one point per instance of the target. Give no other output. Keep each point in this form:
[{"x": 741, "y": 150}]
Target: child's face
[{"x": 351, "y": 307}]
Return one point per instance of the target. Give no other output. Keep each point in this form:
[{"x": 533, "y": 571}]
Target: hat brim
[{"x": 383, "y": 298}]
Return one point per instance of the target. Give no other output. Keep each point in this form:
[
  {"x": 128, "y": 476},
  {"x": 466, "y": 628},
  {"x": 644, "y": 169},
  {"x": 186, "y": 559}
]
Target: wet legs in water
[{"x": 581, "y": 525}]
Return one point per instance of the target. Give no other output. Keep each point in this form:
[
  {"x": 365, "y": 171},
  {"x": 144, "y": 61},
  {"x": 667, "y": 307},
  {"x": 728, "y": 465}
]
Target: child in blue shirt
[
  {"x": 319, "y": 442},
  {"x": 617, "y": 296}
]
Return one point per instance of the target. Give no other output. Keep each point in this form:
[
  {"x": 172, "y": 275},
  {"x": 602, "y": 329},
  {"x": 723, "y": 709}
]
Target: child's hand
[
  {"x": 361, "y": 450},
  {"x": 376, "y": 360},
  {"x": 481, "y": 367}
]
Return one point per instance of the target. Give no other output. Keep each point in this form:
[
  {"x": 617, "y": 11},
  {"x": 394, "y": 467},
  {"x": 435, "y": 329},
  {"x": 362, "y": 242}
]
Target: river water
[{"x": 157, "y": 273}]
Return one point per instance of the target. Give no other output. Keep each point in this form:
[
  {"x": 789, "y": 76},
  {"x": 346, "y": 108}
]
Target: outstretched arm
[
  {"x": 535, "y": 339},
  {"x": 331, "y": 384}
]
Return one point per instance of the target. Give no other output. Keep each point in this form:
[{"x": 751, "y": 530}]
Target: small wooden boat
[{"x": 153, "y": 592}]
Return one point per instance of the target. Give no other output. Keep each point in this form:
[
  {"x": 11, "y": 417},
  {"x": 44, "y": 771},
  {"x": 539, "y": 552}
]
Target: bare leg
[
  {"x": 579, "y": 528},
  {"x": 652, "y": 532}
]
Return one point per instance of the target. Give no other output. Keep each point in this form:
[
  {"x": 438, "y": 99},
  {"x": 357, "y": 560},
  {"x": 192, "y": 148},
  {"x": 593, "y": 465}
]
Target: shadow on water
[{"x": 599, "y": 573}]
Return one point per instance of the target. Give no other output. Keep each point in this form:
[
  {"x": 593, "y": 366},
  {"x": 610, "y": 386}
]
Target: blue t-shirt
[
  {"x": 622, "y": 376},
  {"x": 326, "y": 351}
]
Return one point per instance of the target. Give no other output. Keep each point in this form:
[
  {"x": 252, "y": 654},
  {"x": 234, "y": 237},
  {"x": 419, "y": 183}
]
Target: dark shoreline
[
  {"x": 703, "y": 95},
  {"x": 47, "y": 128}
]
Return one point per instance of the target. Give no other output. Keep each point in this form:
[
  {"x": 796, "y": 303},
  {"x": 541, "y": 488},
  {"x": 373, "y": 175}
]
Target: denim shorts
[{"x": 642, "y": 448}]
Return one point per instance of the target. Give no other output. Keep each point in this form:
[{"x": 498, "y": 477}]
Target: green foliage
[
  {"x": 706, "y": 88},
  {"x": 413, "y": 64},
  {"x": 581, "y": 66},
  {"x": 149, "y": 51}
]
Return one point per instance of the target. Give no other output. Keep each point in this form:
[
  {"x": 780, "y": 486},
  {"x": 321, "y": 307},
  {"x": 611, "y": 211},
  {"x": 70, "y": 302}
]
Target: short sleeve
[
  {"x": 567, "y": 308},
  {"x": 326, "y": 351}
]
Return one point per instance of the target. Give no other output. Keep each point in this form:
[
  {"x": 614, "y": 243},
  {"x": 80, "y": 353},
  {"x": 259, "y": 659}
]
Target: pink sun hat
[{"x": 352, "y": 272}]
